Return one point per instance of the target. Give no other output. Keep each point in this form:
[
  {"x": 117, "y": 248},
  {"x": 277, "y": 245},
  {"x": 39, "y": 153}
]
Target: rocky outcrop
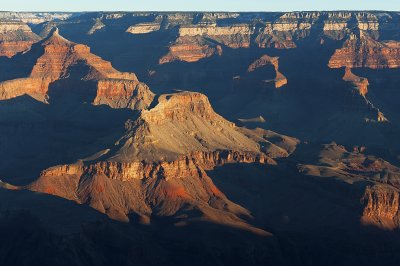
[
  {"x": 190, "y": 51},
  {"x": 120, "y": 93},
  {"x": 61, "y": 59},
  {"x": 143, "y": 28},
  {"x": 97, "y": 26},
  {"x": 233, "y": 36},
  {"x": 147, "y": 188},
  {"x": 11, "y": 48},
  {"x": 159, "y": 166},
  {"x": 280, "y": 80},
  {"x": 361, "y": 85},
  {"x": 15, "y": 37},
  {"x": 381, "y": 207},
  {"x": 366, "y": 52},
  {"x": 33, "y": 17},
  {"x": 359, "y": 82}
]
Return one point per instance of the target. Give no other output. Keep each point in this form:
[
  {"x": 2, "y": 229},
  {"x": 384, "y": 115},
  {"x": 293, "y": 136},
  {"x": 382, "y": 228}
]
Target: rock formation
[
  {"x": 56, "y": 58},
  {"x": 361, "y": 85},
  {"x": 143, "y": 28},
  {"x": 380, "y": 199},
  {"x": 15, "y": 37},
  {"x": 364, "y": 51},
  {"x": 381, "y": 207},
  {"x": 159, "y": 166},
  {"x": 280, "y": 79}
]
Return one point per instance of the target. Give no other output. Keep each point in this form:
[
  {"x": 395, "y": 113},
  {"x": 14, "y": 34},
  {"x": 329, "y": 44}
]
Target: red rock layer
[
  {"x": 11, "y": 48},
  {"x": 280, "y": 79},
  {"x": 190, "y": 52},
  {"x": 56, "y": 56},
  {"x": 366, "y": 52},
  {"x": 118, "y": 93},
  {"x": 381, "y": 207},
  {"x": 145, "y": 189},
  {"x": 359, "y": 82}
]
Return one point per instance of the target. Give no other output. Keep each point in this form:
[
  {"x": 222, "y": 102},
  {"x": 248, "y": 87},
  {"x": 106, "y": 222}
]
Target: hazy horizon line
[{"x": 202, "y": 11}]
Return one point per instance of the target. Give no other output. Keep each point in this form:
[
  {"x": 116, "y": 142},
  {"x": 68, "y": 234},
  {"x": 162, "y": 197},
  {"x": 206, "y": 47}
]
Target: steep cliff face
[
  {"x": 359, "y": 82},
  {"x": 119, "y": 93},
  {"x": 15, "y": 37},
  {"x": 381, "y": 207},
  {"x": 280, "y": 79},
  {"x": 143, "y": 189},
  {"x": 361, "y": 85},
  {"x": 366, "y": 52}
]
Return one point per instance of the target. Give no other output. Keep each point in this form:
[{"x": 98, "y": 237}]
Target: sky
[{"x": 197, "y": 5}]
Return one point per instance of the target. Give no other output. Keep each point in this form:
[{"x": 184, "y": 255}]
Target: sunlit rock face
[
  {"x": 149, "y": 133},
  {"x": 364, "y": 51},
  {"x": 15, "y": 37}
]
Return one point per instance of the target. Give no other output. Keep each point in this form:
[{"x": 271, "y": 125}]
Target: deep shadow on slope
[
  {"x": 317, "y": 218},
  {"x": 45, "y": 230},
  {"x": 36, "y": 136}
]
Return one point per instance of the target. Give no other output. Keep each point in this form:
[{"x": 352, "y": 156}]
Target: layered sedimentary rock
[
  {"x": 361, "y": 85},
  {"x": 280, "y": 80},
  {"x": 193, "y": 42},
  {"x": 158, "y": 167},
  {"x": 381, "y": 207},
  {"x": 143, "y": 28},
  {"x": 380, "y": 199},
  {"x": 190, "y": 51},
  {"x": 60, "y": 59},
  {"x": 359, "y": 82},
  {"x": 234, "y": 36},
  {"x": 33, "y": 17},
  {"x": 15, "y": 37},
  {"x": 366, "y": 52},
  {"x": 120, "y": 93}
]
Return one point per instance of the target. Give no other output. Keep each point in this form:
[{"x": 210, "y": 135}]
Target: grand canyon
[{"x": 200, "y": 138}]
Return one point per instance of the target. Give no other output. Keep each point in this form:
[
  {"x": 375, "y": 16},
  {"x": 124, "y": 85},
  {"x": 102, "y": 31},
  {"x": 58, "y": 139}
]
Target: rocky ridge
[{"x": 58, "y": 59}]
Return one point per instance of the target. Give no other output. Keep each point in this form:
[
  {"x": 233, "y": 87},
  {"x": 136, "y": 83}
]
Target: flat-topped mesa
[
  {"x": 234, "y": 36},
  {"x": 280, "y": 80},
  {"x": 180, "y": 107},
  {"x": 158, "y": 167},
  {"x": 15, "y": 37},
  {"x": 191, "y": 51},
  {"x": 366, "y": 52},
  {"x": 143, "y": 28},
  {"x": 178, "y": 125}
]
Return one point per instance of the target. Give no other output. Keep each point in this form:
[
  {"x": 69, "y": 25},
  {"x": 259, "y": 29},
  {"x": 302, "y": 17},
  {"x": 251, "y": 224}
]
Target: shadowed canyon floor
[{"x": 199, "y": 138}]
